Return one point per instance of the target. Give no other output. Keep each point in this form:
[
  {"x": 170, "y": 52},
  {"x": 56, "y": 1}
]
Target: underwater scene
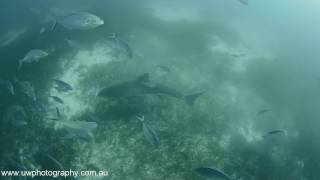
[{"x": 160, "y": 89}]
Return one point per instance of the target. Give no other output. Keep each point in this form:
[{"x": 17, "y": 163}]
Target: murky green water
[{"x": 220, "y": 84}]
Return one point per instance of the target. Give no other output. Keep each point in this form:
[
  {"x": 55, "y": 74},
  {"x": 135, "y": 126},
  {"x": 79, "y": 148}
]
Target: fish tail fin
[{"x": 190, "y": 99}]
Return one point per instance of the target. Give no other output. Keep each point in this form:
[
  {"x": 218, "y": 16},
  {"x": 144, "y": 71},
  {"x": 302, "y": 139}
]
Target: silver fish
[
  {"x": 10, "y": 87},
  {"x": 33, "y": 55},
  {"x": 62, "y": 86},
  {"x": 214, "y": 174},
  {"x": 245, "y": 2},
  {"x": 57, "y": 99},
  {"x": 79, "y": 21},
  {"x": 149, "y": 132}
]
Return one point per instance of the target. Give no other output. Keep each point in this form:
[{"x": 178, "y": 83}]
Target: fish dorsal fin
[{"x": 144, "y": 78}]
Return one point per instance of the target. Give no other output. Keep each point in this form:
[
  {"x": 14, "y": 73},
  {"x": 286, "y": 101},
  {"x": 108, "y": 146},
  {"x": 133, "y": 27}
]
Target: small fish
[
  {"x": 57, "y": 99},
  {"x": 8, "y": 85},
  {"x": 245, "y": 2},
  {"x": 274, "y": 132},
  {"x": 214, "y": 174},
  {"x": 56, "y": 162},
  {"x": 149, "y": 133},
  {"x": 33, "y": 55},
  {"x": 164, "y": 68},
  {"x": 62, "y": 86},
  {"x": 79, "y": 21},
  {"x": 263, "y": 111},
  {"x": 52, "y": 118}
]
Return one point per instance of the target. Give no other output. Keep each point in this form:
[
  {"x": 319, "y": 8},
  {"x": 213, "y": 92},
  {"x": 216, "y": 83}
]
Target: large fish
[
  {"x": 149, "y": 132},
  {"x": 79, "y": 21},
  {"x": 213, "y": 174},
  {"x": 141, "y": 87},
  {"x": 33, "y": 55}
]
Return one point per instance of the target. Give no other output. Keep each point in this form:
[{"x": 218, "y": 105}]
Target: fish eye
[{"x": 87, "y": 21}]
